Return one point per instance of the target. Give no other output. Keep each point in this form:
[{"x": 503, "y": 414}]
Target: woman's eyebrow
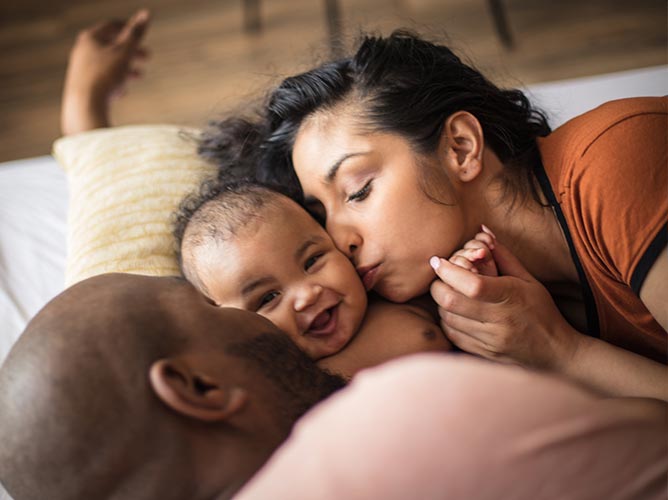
[{"x": 333, "y": 170}]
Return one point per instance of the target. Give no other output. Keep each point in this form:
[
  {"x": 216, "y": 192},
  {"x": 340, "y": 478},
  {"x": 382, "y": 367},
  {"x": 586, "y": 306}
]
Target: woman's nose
[
  {"x": 306, "y": 296},
  {"x": 346, "y": 239}
]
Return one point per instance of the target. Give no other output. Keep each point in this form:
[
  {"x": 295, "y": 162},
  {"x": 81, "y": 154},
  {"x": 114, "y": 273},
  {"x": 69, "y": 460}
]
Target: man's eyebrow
[
  {"x": 333, "y": 170},
  {"x": 299, "y": 253},
  {"x": 250, "y": 287}
]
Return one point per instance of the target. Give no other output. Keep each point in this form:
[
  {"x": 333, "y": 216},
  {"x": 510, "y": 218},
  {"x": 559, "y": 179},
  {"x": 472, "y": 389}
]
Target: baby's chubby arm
[
  {"x": 101, "y": 61},
  {"x": 476, "y": 255}
]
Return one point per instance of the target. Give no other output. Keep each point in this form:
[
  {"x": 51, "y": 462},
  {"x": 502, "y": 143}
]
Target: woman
[{"x": 404, "y": 151}]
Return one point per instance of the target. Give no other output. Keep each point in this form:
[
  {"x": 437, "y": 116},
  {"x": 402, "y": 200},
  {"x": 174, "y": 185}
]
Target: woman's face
[{"x": 367, "y": 185}]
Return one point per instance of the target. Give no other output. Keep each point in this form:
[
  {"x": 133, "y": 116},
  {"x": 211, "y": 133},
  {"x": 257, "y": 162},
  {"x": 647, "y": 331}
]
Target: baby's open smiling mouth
[{"x": 324, "y": 323}]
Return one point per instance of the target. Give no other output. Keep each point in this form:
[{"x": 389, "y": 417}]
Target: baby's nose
[{"x": 307, "y": 295}]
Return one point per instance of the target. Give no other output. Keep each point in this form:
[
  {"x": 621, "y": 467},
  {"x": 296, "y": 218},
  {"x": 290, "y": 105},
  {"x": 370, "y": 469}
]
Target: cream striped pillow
[{"x": 124, "y": 185}]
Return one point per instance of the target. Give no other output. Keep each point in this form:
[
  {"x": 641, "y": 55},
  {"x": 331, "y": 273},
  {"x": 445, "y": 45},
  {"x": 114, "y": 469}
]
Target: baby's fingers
[
  {"x": 463, "y": 262},
  {"x": 474, "y": 252},
  {"x": 481, "y": 240}
]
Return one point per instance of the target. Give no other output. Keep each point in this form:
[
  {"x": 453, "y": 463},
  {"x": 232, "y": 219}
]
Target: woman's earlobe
[{"x": 193, "y": 394}]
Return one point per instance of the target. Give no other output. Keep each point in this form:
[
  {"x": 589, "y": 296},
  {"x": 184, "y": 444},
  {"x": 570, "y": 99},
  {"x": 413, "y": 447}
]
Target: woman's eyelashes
[{"x": 362, "y": 194}]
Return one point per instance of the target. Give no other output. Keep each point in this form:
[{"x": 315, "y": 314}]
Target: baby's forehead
[{"x": 283, "y": 210}]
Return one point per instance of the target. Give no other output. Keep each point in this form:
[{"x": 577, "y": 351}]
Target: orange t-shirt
[{"x": 606, "y": 174}]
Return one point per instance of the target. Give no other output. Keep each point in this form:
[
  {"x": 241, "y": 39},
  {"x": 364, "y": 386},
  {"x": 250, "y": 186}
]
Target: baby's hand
[
  {"x": 476, "y": 256},
  {"x": 102, "y": 59}
]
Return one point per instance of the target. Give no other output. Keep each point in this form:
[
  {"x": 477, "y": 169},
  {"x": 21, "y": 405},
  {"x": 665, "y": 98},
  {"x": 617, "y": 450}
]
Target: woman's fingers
[
  {"x": 449, "y": 299},
  {"x": 473, "y": 344},
  {"x": 475, "y": 286},
  {"x": 508, "y": 264}
]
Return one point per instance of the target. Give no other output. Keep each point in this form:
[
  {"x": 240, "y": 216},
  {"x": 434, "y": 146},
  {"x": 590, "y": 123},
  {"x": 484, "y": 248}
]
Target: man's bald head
[{"x": 80, "y": 417}]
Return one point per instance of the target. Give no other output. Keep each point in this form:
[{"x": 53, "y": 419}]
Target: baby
[{"x": 244, "y": 245}]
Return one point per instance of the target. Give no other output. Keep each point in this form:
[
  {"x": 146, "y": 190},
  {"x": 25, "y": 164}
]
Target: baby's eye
[
  {"x": 312, "y": 260},
  {"x": 361, "y": 194},
  {"x": 267, "y": 298}
]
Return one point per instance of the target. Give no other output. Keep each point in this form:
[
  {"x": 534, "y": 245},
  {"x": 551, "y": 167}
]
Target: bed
[
  {"x": 34, "y": 199},
  {"x": 35, "y": 196}
]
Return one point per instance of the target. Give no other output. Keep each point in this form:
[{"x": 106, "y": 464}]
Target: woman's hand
[
  {"x": 102, "y": 59},
  {"x": 476, "y": 254},
  {"x": 511, "y": 318}
]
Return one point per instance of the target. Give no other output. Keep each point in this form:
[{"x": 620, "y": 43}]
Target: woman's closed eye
[{"x": 362, "y": 193}]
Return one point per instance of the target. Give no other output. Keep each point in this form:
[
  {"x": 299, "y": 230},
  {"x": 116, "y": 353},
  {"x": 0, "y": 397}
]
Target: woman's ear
[
  {"x": 193, "y": 393},
  {"x": 463, "y": 142}
]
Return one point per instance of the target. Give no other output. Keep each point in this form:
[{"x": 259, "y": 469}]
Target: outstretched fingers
[{"x": 134, "y": 29}]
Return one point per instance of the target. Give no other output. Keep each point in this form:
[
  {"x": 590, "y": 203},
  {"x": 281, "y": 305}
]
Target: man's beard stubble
[{"x": 302, "y": 382}]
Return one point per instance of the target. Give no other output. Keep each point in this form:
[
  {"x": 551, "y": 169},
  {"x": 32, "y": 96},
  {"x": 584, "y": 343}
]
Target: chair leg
[
  {"x": 333, "y": 14},
  {"x": 501, "y": 25},
  {"x": 251, "y": 12}
]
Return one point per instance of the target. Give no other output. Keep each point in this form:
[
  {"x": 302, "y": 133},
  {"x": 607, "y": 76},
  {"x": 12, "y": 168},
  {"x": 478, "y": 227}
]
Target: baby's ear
[
  {"x": 462, "y": 144},
  {"x": 193, "y": 393}
]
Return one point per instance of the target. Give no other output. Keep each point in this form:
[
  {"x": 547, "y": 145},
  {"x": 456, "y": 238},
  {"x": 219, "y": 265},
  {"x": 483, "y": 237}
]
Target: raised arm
[{"x": 102, "y": 59}]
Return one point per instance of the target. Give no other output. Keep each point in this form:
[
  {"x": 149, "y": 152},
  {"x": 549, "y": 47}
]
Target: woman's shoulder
[
  {"x": 593, "y": 145},
  {"x": 573, "y": 138}
]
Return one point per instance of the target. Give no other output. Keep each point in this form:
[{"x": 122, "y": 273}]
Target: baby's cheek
[{"x": 284, "y": 323}]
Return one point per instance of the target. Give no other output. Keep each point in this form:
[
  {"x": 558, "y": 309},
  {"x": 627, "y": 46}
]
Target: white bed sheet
[
  {"x": 33, "y": 212},
  {"x": 567, "y": 99}
]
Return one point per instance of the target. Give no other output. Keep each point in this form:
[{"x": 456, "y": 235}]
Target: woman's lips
[
  {"x": 324, "y": 323},
  {"x": 368, "y": 276}
]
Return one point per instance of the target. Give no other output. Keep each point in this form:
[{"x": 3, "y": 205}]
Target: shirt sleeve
[
  {"x": 451, "y": 426},
  {"x": 619, "y": 190}
]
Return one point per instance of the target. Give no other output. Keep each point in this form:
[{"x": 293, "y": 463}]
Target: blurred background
[{"x": 211, "y": 56}]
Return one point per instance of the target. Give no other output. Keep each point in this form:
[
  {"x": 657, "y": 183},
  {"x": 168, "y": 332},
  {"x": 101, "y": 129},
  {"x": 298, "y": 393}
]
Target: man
[{"x": 137, "y": 387}]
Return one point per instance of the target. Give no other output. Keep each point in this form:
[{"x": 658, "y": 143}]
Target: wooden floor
[{"x": 204, "y": 63}]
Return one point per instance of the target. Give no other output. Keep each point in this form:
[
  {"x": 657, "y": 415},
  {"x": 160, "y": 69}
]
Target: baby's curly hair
[{"x": 214, "y": 214}]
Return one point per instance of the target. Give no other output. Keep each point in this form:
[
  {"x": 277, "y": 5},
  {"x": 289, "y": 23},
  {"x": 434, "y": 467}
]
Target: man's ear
[
  {"x": 462, "y": 142},
  {"x": 192, "y": 393}
]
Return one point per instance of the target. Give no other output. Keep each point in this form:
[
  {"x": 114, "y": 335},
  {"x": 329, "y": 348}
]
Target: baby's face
[{"x": 285, "y": 267}]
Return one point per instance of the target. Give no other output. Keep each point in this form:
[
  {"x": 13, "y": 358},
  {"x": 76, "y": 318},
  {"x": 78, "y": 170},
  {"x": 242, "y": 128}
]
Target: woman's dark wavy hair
[{"x": 407, "y": 86}]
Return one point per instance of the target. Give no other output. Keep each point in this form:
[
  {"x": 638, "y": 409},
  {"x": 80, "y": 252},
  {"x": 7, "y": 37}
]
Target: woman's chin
[{"x": 400, "y": 293}]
